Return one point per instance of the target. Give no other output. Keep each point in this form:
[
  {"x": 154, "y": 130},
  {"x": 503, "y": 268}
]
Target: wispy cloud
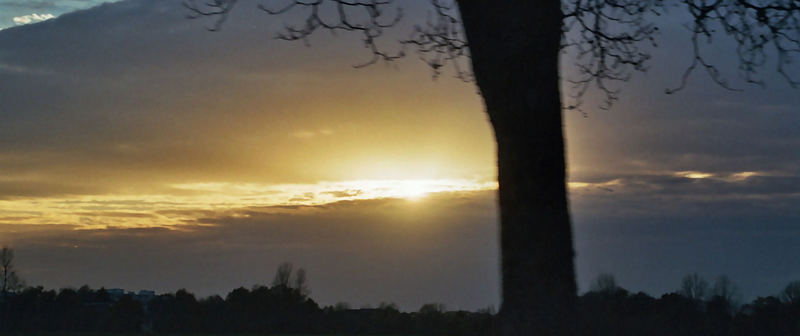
[{"x": 32, "y": 18}]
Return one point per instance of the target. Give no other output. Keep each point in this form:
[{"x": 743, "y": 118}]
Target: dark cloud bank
[
  {"x": 363, "y": 252},
  {"x": 443, "y": 248}
]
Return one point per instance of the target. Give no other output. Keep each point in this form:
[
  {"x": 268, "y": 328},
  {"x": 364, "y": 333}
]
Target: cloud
[
  {"x": 367, "y": 251},
  {"x": 363, "y": 252},
  {"x": 164, "y": 105},
  {"x": 136, "y": 92},
  {"x": 687, "y": 195},
  {"x": 32, "y": 18}
]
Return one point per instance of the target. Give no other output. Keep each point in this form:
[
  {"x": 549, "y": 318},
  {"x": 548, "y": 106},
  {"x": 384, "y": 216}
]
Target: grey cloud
[
  {"x": 703, "y": 127},
  {"x": 655, "y": 228},
  {"x": 133, "y": 91},
  {"x": 441, "y": 249},
  {"x": 358, "y": 251},
  {"x": 642, "y": 195}
]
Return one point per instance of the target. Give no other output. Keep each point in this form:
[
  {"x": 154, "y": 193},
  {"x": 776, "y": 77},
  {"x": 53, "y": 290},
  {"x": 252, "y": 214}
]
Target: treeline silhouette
[
  {"x": 695, "y": 309},
  {"x": 274, "y": 310}
]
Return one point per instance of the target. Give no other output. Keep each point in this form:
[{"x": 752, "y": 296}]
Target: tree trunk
[{"x": 515, "y": 47}]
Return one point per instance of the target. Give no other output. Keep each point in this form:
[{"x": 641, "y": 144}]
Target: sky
[{"x": 140, "y": 151}]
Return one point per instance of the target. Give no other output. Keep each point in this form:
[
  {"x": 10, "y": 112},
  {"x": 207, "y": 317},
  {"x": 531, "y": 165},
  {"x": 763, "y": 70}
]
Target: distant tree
[
  {"x": 723, "y": 301},
  {"x": 490, "y": 310},
  {"x": 283, "y": 275},
  {"x": 726, "y": 289},
  {"x": 791, "y": 293},
  {"x": 694, "y": 287},
  {"x": 391, "y": 306},
  {"x": 10, "y": 282},
  {"x": 432, "y": 308},
  {"x": 511, "y": 49},
  {"x": 604, "y": 283},
  {"x": 341, "y": 306},
  {"x": 301, "y": 283}
]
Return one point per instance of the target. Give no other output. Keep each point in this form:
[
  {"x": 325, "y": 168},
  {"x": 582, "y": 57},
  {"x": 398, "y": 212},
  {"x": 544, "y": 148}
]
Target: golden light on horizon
[
  {"x": 177, "y": 204},
  {"x": 188, "y": 201}
]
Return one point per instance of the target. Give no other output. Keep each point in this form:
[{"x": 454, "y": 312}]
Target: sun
[{"x": 413, "y": 189}]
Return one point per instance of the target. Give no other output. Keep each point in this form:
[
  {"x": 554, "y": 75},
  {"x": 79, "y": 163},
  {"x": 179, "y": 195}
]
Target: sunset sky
[{"x": 140, "y": 151}]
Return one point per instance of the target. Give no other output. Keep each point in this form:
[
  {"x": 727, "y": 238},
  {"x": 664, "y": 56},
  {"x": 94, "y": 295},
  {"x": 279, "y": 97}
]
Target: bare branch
[
  {"x": 607, "y": 41},
  {"x": 610, "y": 37},
  {"x": 370, "y": 18},
  {"x": 441, "y": 41},
  {"x": 218, "y": 9},
  {"x": 757, "y": 27}
]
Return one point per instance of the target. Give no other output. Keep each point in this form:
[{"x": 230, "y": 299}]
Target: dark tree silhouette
[
  {"x": 605, "y": 283},
  {"x": 433, "y": 308},
  {"x": 283, "y": 275},
  {"x": 511, "y": 50},
  {"x": 725, "y": 289},
  {"x": 694, "y": 287},
  {"x": 282, "y": 310},
  {"x": 791, "y": 293},
  {"x": 301, "y": 283},
  {"x": 9, "y": 280}
]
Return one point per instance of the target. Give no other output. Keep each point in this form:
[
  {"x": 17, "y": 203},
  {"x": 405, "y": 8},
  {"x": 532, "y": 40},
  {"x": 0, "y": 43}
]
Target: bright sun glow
[
  {"x": 412, "y": 191},
  {"x": 694, "y": 174}
]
